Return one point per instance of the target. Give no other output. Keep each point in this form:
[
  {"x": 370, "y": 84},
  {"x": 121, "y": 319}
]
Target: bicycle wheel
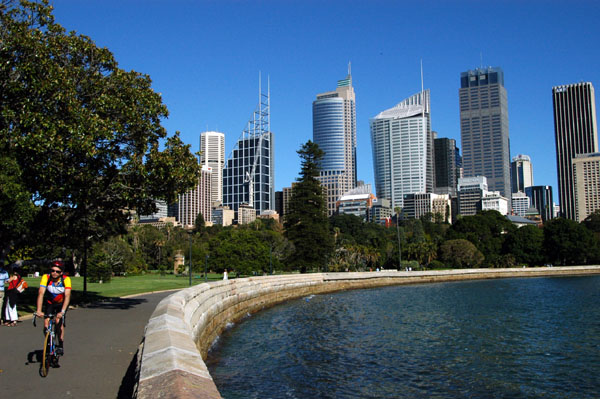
[{"x": 46, "y": 356}]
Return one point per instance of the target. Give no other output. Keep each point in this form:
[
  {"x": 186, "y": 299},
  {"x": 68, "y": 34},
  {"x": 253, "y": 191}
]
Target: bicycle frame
[{"x": 49, "y": 356}]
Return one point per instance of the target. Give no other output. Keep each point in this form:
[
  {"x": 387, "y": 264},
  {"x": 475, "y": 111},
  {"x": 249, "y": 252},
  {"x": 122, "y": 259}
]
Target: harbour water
[{"x": 510, "y": 338}]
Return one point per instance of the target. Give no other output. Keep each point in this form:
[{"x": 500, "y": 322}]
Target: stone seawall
[{"x": 185, "y": 324}]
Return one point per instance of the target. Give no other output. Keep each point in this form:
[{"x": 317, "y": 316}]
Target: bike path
[{"x": 100, "y": 345}]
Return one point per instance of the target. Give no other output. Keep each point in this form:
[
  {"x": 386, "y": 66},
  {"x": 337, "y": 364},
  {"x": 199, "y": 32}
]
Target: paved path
[{"x": 100, "y": 345}]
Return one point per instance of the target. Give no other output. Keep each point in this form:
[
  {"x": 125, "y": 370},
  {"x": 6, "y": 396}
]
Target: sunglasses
[{"x": 55, "y": 271}]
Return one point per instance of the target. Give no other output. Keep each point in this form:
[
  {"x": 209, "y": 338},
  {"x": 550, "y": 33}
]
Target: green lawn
[{"x": 117, "y": 287}]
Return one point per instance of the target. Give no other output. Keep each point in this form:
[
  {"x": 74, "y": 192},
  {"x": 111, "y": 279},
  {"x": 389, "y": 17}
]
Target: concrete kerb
[{"x": 185, "y": 324}]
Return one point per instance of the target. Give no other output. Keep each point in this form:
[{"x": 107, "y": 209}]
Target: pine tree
[{"x": 306, "y": 223}]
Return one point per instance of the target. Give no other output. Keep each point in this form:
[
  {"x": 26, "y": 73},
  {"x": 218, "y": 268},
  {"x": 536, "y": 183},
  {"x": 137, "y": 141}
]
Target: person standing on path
[
  {"x": 225, "y": 277},
  {"x": 3, "y": 278},
  {"x": 12, "y": 295}
]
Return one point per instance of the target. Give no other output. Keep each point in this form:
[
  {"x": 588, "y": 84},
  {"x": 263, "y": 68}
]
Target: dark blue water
[{"x": 514, "y": 338}]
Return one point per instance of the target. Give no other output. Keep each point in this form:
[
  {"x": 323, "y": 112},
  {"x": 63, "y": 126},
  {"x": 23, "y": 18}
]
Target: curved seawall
[{"x": 185, "y": 324}]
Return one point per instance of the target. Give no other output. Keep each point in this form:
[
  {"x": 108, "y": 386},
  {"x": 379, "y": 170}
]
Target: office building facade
[
  {"x": 334, "y": 130},
  {"x": 357, "y": 202},
  {"x": 446, "y": 171},
  {"x": 493, "y": 201},
  {"x": 521, "y": 173},
  {"x": 484, "y": 127},
  {"x": 541, "y": 199},
  {"x": 212, "y": 154},
  {"x": 196, "y": 201},
  {"x": 470, "y": 193},
  {"x": 420, "y": 204},
  {"x": 520, "y": 203},
  {"x": 575, "y": 132},
  {"x": 586, "y": 175},
  {"x": 402, "y": 145}
]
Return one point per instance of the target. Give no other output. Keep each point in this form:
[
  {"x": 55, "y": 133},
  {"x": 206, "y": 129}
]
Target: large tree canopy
[{"x": 83, "y": 138}]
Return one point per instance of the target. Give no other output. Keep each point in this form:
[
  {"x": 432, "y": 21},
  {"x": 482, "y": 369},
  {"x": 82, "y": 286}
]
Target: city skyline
[{"x": 205, "y": 59}]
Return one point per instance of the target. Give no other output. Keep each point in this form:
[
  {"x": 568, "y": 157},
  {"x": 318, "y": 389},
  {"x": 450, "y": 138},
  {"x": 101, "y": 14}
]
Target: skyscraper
[
  {"x": 575, "y": 133},
  {"x": 484, "y": 127},
  {"x": 196, "y": 201},
  {"x": 334, "y": 130},
  {"x": 212, "y": 154},
  {"x": 541, "y": 199},
  {"x": 586, "y": 176},
  {"x": 249, "y": 173},
  {"x": 521, "y": 173},
  {"x": 446, "y": 173},
  {"x": 402, "y": 145}
]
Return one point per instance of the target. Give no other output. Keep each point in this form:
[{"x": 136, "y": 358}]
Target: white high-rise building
[
  {"x": 212, "y": 154},
  {"x": 494, "y": 201},
  {"x": 521, "y": 173},
  {"x": 520, "y": 203},
  {"x": 196, "y": 201},
  {"x": 402, "y": 145}
]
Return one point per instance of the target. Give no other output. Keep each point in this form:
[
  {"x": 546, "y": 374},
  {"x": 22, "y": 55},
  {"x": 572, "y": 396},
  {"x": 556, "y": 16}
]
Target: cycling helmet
[{"x": 60, "y": 264}]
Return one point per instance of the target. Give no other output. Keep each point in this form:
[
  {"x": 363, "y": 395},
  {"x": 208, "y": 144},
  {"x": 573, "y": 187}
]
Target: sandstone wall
[{"x": 185, "y": 324}]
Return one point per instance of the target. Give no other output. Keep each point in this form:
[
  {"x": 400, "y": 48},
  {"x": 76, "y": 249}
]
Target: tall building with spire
[
  {"x": 484, "y": 127},
  {"x": 334, "y": 130},
  {"x": 575, "y": 134},
  {"x": 212, "y": 155},
  {"x": 249, "y": 173},
  {"x": 402, "y": 144}
]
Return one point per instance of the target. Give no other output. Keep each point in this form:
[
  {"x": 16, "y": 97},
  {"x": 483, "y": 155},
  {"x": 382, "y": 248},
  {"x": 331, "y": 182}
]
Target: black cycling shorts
[{"x": 54, "y": 308}]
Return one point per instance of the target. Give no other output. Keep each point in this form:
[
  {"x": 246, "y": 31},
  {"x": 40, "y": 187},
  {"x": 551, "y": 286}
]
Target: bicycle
[{"x": 50, "y": 355}]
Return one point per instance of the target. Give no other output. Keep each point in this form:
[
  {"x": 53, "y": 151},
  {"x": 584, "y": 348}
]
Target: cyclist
[{"x": 55, "y": 294}]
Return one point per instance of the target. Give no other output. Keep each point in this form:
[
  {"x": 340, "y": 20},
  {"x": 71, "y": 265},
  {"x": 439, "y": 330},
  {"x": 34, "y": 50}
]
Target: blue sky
[{"x": 205, "y": 57}]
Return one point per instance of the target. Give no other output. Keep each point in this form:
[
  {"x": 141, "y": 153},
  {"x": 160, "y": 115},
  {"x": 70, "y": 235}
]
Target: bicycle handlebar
[{"x": 46, "y": 316}]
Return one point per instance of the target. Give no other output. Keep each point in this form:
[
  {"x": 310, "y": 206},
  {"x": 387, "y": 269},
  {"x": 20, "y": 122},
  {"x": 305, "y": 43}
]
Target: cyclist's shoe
[{"x": 59, "y": 351}]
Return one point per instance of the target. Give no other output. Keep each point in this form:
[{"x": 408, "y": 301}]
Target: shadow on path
[
  {"x": 127, "y": 388},
  {"x": 115, "y": 303}
]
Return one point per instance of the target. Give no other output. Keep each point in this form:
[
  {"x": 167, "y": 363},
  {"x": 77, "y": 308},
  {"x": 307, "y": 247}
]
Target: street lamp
[
  {"x": 270, "y": 258},
  {"x": 190, "y": 265},
  {"x": 398, "y": 210},
  {"x": 206, "y": 268}
]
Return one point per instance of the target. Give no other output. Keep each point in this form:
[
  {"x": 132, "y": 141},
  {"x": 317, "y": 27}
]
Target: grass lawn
[{"x": 117, "y": 287}]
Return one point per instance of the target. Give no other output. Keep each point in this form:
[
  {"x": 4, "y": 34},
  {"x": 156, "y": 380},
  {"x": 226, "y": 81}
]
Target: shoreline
[{"x": 184, "y": 325}]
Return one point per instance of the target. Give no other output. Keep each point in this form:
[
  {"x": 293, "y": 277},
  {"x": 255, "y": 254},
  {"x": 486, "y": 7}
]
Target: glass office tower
[
  {"x": 249, "y": 173},
  {"x": 334, "y": 130}
]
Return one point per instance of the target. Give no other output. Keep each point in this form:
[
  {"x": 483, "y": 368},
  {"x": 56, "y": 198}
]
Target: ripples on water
[{"x": 514, "y": 338}]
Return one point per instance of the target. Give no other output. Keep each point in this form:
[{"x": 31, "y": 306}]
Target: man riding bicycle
[{"x": 55, "y": 295}]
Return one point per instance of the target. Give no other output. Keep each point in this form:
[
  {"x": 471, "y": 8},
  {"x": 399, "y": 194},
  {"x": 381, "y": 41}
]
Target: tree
[
  {"x": 241, "y": 250},
  {"x": 306, "y": 224},
  {"x": 460, "y": 253},
  {"x": 486, "y": 231},
  {"x": 567, "y": 242},
  {"x": 526, "y": 245},
  {"x": 17, "y": 211},
  {"x": 86, "y": 135}
]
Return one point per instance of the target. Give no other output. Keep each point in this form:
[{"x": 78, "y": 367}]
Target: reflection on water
[{"x": 514, "y": 338}]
